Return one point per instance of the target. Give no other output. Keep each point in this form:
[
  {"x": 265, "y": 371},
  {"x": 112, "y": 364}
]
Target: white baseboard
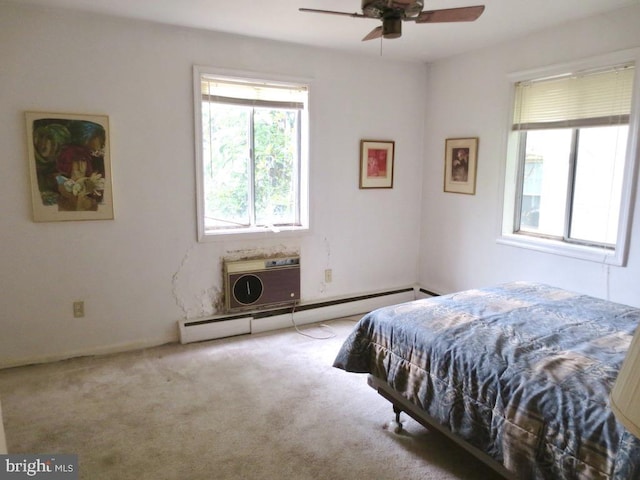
[
  {"x": 328, "y": 312},
  {"x": 88, "y": 351},
  {"x": 259, "y": 322}
]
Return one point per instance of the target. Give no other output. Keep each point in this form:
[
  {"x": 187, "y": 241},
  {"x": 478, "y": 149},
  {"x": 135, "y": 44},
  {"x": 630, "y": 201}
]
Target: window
[
  {"x": 252, "y": 167},
  {"x": 569, "y": 171}
]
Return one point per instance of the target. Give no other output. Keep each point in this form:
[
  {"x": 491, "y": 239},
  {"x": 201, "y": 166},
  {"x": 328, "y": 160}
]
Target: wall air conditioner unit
[{"x": 259, "y": 283}]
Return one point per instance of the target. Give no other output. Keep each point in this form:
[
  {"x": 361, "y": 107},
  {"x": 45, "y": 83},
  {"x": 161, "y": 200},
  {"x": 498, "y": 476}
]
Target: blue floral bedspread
[{"x": 522, "y": 371}]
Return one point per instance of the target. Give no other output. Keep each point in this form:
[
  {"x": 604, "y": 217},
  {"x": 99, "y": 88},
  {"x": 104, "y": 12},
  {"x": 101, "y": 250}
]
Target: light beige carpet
[{"x": 267, "y": 406}]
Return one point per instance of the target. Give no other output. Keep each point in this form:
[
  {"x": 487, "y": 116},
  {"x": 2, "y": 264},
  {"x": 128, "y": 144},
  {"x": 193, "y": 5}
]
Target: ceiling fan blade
[
  {"x": 331, "y": 12},
  {"x": 375, "y": 33},
  {"x": 462, "y": 14}
]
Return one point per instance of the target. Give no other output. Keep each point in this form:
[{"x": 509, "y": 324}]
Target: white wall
[
  {"x": 144, "y": 271},
  {"x": 468, "y": 96}
]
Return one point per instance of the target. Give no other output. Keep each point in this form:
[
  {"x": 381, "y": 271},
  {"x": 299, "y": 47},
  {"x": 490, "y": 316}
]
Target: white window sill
[
  {"x": 556, "y": 247},
  {"x": 251, "y": 233}
]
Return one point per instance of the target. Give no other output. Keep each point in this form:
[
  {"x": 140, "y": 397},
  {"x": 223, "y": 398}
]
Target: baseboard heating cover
[
  {"x": 200, "y": 330},
  {"x": 266, "y": 320}
]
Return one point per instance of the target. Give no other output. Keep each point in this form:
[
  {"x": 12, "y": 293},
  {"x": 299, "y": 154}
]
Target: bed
[{"x": 519, "y": 374}]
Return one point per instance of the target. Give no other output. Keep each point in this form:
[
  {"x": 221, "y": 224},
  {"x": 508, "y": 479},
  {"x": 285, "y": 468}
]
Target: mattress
[{"x": 521, "y": 371}]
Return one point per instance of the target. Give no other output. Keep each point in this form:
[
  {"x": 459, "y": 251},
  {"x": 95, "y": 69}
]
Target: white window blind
[
  {"x": 594, "y": 98},
  {"x": 254, "y": 94}
]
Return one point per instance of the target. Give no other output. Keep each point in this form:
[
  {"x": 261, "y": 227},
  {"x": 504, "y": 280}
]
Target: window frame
[
  {"x": 205, "y": 235},
  {"x": 511, "y": 200},
  {"x": 571, "y": 188}
]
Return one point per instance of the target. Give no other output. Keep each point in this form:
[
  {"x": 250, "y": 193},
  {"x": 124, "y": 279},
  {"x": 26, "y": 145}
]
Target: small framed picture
[
  {"x": 460, "y": 163},
  {"x": 70, "y": 167},
  {"x": 376, "y": 163}
]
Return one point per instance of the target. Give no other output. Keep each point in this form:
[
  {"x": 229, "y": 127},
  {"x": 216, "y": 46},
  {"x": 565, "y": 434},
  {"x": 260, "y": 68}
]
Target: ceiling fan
[{"x": 394, "y": 12}]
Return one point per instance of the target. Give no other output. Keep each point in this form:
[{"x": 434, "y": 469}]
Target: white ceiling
[{"x": 281, "y": 20}]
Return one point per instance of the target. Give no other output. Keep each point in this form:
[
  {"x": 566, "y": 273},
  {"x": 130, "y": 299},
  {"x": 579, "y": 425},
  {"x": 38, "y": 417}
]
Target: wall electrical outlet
[
  {"x": 328, "y": 275},
  {"x": 78, "y": 309}
]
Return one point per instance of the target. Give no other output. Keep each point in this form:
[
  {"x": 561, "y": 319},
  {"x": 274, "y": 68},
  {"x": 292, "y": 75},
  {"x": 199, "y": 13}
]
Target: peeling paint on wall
[
  {"x": 254, "y": 253},
  {"x": 175, "y": 278},
  {"x": 193, "y": 285},
  {"x": 197, "y": 286},
  {"x": 327, "y": 249}
]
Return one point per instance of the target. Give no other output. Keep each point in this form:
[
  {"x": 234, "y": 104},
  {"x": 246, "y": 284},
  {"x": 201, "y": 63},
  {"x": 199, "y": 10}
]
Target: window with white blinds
[
  {"x": 595, "y": 98},
  {"x": 571, "y": 158},
  {"x": 578, "y": 100},
  {"x": 267, "y": 95}
]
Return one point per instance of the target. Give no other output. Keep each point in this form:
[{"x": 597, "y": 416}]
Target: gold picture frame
[
  {"x": 376, "y": 163},
  {"x": 460, "y": 165},
  {"x": 69, "y": 166}
]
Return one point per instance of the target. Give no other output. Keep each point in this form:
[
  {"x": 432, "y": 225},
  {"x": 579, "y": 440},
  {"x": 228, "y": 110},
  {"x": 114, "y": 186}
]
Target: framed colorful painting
[
  {"x": 70, "y": 167},
  {"x": 376, "y": 163},
  {"x": 460, "y": 162}
]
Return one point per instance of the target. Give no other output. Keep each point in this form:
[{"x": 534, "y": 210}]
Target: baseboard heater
[{"x": 266, "y": 320}]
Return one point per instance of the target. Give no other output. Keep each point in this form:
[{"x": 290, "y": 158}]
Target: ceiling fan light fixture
[
  {"x": 393, "y": 12},
  {"x": 391, "y": 28},
  {"x": 411, "y": 8}
]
